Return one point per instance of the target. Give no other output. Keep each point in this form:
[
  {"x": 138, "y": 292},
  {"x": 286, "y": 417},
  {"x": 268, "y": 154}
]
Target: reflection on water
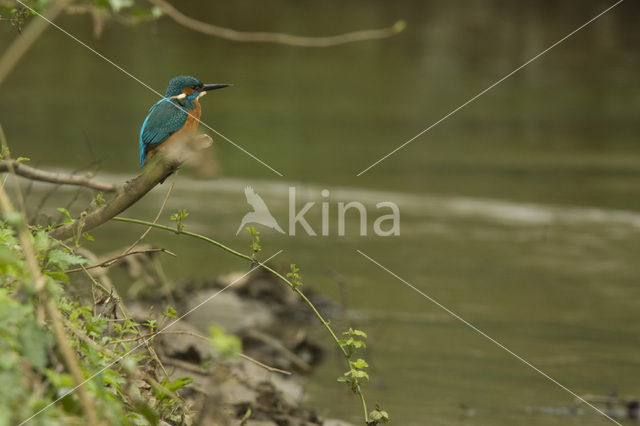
[{"x": 520, "y": 212}]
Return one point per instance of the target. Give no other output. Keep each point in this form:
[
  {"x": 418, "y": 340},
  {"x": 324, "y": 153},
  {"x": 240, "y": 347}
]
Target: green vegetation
[
  {"x": 92, "y": 360},
  {"x": 120, "y": 380},
  {"x": 355, "y": 376}
]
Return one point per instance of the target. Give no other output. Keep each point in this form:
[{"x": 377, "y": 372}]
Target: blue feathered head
[{"x": 177, "y": 86}]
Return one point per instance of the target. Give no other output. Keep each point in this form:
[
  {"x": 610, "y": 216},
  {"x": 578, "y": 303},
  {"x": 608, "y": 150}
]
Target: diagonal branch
[
  {"x": 32, "y": 173},
  {"x": 269, "y": 37},
  {"x": 161, "y": 166}
]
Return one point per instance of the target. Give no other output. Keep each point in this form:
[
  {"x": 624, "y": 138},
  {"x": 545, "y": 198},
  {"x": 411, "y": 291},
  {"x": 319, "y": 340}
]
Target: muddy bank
[{"x": 263, "y": 386}]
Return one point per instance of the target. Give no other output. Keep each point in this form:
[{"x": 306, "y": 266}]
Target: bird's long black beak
[{"x": 208, "y": 87}]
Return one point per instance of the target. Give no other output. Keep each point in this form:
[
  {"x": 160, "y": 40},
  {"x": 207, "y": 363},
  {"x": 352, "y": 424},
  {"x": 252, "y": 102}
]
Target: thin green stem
[
  {"x": 364, "y": 404},
  {"x": 191, "y": 234},
  {"x": 324, "y": 322}
]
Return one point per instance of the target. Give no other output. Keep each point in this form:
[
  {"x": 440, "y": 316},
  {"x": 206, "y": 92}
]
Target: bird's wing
[
  {"x": 254, "y": 200},
  {"x": 164, "y": 119}
]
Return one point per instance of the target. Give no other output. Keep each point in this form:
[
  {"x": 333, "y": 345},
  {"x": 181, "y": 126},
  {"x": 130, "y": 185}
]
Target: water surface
[{"x": 520, "y": 213}]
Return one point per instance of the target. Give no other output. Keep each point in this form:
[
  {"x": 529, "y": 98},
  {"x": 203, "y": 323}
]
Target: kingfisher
[{"x": 178, "y": 113}]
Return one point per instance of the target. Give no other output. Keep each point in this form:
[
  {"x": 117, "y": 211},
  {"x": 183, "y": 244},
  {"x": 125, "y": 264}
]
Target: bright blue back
[{"x": 165, "y": 118}]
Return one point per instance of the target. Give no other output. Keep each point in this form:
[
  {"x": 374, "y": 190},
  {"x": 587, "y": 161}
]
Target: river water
[{"x": 520, "y": 213}]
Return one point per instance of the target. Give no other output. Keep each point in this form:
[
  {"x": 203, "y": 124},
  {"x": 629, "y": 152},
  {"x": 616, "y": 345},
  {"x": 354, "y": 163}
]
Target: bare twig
[
  {"x": 111, "y": 261},
  {"x": 270, "y": 37},
  {"x": 200, "y": 336},
  {"x": 266, "y": 367},
  {"x": 278, "y": 346},
  {"x": 32, "y": 173},
  {"x": 185, "y": 365}
]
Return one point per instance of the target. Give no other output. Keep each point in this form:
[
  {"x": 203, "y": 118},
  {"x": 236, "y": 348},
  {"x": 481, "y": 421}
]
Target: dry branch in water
[
  {"x": 270, "y": 37},
  {"x": 161, "y": 166},
  {"x": 32, "y": 173}
]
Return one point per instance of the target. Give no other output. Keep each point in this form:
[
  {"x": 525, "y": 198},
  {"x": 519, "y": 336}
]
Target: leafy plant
[
  {"x": 294, "y": 276},
  {"x": 378, "y": 416},
  {"x": 178, "y": 217},
  {"x": 31, "y": 358},
  {"x": 255, "y": 241},
  {"x": 355, "y": 375}
]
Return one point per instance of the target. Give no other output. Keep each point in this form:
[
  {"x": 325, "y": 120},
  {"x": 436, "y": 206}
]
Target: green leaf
[
  {"x": 41, "y": 241},
  {"x": 118, "y": 5},
  {"x": 178, "y": 383},
  {"x": 148, "y": 412},
  {"x": 61, "y": 380},
  {"x": 352, "y": 332},
  {"x": 360, "y": 374},
  {"x": 113, "y": 378},
  {"x": 359, "y": 363},
  {"x": 156, "y": 12},
  {"x": 99, "y": 199},
  {"x": 13, "y": 219},
  {"x": 62, "y": 259},
  {"x": 64, "y": 212},
  {"x": 378, "y": 416},
  {"x": 226, "y": 344},
  {"x": 252, "y": 231},
  {"x": 57, "y": 275},
  {"x": 358, "y": 344},
  {"x": 7, "y": 257}
]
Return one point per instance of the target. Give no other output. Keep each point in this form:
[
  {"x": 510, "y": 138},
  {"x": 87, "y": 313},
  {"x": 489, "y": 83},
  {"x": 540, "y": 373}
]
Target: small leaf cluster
[
  {"x": 99, "y": 200},
  {"x": 178, "y": 217},
  {"x": 294, "y": 276},
  {"x": 14, "y": 13},
  {"x": 167, "y": 388},
  {"x": 68, "y": 220},
  {"x": 378, "y": 416},
  {"x": 255, "y": 241},
  {"x": 353, "y": 341}
]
